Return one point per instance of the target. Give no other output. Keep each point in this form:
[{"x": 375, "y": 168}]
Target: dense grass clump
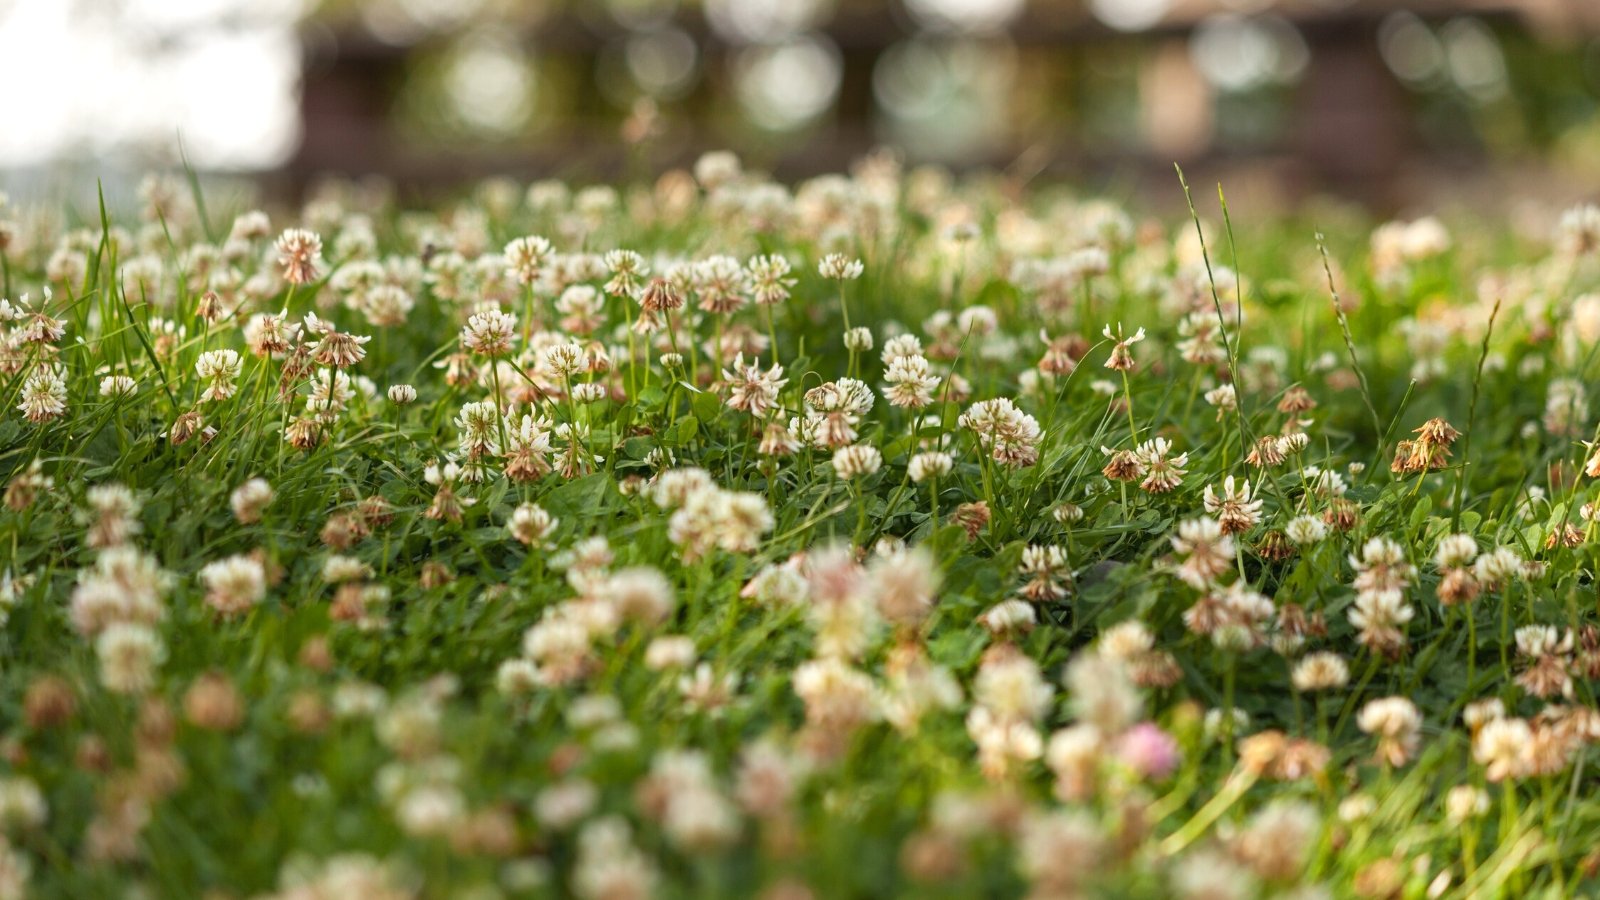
[{"x": 885, "y": 536}]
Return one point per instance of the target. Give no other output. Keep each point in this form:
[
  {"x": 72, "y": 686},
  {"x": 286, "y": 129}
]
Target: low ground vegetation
[{"x": 883, "y": 535}]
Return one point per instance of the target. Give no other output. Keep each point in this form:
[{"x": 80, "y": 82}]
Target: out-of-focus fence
[{"x": 1340, "y": 94}]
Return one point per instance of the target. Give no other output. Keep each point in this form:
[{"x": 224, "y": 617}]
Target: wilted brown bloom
[
  {"x": 316, "y": 654},
  {"x": 1124, "y": 465},
  {"x": 92, "y": 755},
  {"x": 343, "y": 529},
  {"x": 1260, "y": 752},
  {"x": 24, "y": 488},
  {"x": 349, "y": 603},
  {"x": 303, "y": 433},
  {"x": 376, "y": 512},
  {"x": 1429, "y": 452},
  {"x": 297, "y": 366},
  {"x": 933, "y": 856},
  {"x": 1061, "y": 354},
  {"x": 1565, "y": 535},
  {"x": 209, "y": 306},
  {"x": 1296, "y": 400},
  {"x": 185, "y": 427},
  {"x": 1457, "y": 585},
  {"x": 1301, "y": 758},
  {"x": 1436, "y": 432},
  {"x": 488, "y": 832},
  {"x": 158, "y": 771},
  {"x": 1588, "y": 656},
  {"x": 1380, "y": 879},
  {"x": 339, "y": 350},
  {"x": 435, "y": 574},
  {"x": 1268, "y": 451},
  {"x": 1275, "y": 545},
  {"x": 212, "y": 703},
  {"x": 307, "y": 713},
  {"x": 1155, "y": 669},
  {"x": 49, "y": 703},
  {"x": 1341, "y": 514},
  {"x": 113, "y": 833},
  {"x": 972, "y": 517},
  {"x": 299, "y": 251},
  {"x": 660, "y": 296}
]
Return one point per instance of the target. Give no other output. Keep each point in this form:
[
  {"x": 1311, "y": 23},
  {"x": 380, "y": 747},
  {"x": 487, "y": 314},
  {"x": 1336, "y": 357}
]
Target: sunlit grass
[{"x": 886, "y": 536}]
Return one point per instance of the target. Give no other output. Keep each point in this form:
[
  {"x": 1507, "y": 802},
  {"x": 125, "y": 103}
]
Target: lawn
[{"x": 887, "y": 534}]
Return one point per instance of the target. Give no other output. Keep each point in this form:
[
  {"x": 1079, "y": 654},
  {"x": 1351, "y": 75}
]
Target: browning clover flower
[
  {"x": 1163, "y": 471},
  {"x": 1234, "y": 508},
  {"x": 1121, "y": 358},
  {"x": 299, "y": 252},
  {"x": 752, "y": 390},
  {"x": 335, "y": 348}
]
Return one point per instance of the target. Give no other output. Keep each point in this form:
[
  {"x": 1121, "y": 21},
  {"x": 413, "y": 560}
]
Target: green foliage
[{"x": 390, "y": 692}]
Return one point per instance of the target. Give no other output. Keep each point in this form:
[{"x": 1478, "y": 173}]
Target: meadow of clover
[{"x": 886, "y": 534}]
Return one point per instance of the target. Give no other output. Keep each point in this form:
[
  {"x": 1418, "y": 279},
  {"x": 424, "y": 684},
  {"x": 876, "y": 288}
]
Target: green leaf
[
  {"x": 683, "y": 431},
  {"x": 707, "y": 406}
]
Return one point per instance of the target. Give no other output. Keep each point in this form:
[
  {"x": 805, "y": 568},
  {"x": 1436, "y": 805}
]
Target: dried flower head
[{"x": 299, "y": 253}]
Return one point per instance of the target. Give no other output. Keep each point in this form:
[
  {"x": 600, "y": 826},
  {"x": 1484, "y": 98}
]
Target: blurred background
[{"x": 1381, "y": 101}]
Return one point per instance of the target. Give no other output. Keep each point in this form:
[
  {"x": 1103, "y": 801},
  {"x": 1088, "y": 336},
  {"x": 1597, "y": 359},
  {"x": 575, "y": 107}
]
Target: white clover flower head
[
  {"x": 858, "y": 339},
  {"x": 129, "y": 655},
  {"x": 234, "y": 584},
  {"x": 1303, "y": 531},
  {"x": 1224, "y": 397},
  {"x": 717, "y": 168},
  {"x": 44, "y": 394},
  {"x": 250, "y": 499},
  {"x": 929, "y": 464},
  {"x": 1320, "y": 671},
  {"x": 118, "y": 386},
  {"x": 838, "y": 267},
  {"x": 219, "y": 370},
  {"x": 1455, "y": 551},
  {"x": 490, "y": 333},
  {"x": 856, "y": 461},
  {"x": 525, "y": 258},
  {"x": 564, "y": 359}
]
